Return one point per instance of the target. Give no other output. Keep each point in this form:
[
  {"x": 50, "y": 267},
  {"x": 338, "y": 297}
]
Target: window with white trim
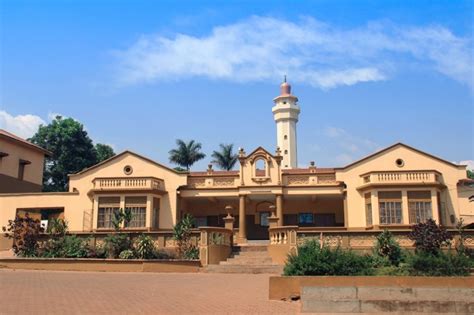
[
  {"x": 107, "y": 207},
  {"x": 137, "y": 206},
  {"x": 368, "y": 209},
  {"x": 419, "y": 206},
  {"x": 390, "y": 207}
]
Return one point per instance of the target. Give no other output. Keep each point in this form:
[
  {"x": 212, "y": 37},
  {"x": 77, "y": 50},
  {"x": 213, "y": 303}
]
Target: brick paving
[{"x": 45, "y": 292}]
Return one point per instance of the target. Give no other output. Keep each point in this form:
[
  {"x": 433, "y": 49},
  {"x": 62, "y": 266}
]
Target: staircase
[{"x": 250, "y": 258}]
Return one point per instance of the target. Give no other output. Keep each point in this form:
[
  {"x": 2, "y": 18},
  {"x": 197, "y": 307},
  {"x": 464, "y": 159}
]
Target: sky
[{"x": 141, "y": 74}]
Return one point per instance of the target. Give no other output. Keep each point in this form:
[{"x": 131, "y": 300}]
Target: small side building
[{"x": 21, "y": 164}]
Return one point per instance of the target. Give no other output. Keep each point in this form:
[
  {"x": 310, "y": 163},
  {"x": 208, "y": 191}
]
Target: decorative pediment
[
  {"x": 260, "y": 166},
  {"x": 261, "y": 153}
]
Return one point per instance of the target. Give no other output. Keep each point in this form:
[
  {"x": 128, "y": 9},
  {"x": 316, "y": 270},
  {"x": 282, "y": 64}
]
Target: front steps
[{"x": 251, "y": 259}]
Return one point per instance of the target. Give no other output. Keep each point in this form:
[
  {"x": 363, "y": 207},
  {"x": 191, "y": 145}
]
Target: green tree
[
  {"x": 470, "y": 174},
  {"x": 225, "y": 158},
  {"x": 186, "y": 154},
  {"x": 72, "y": 151},
  {"x": 103, "y": 152}
]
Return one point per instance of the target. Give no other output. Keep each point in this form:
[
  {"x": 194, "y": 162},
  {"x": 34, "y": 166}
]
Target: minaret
[{"x": 285, "y": 113}]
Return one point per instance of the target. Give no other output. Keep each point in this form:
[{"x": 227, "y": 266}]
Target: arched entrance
[{"x": 257, "y": 224}]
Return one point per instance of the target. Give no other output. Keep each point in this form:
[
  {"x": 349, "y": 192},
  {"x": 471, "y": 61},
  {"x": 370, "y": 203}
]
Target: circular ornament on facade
[
  {"x": 400, "y": 162},
  {"x": 128, "y": 170}
]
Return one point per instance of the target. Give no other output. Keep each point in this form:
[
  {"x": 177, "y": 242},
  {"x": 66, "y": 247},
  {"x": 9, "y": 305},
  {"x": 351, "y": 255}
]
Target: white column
[
  {"x": 405, "y": 209},
  {"x": 434, "y": 205}
]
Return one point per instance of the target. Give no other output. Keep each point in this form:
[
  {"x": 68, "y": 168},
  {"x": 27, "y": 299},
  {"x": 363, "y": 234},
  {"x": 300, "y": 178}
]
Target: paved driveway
[{"x": 45, "y": 292}]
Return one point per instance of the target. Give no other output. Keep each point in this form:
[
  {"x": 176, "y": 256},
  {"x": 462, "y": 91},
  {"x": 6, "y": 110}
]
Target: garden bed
[
  {"x": 106, "y": 265},
  {"x": 287, "y": 288}
]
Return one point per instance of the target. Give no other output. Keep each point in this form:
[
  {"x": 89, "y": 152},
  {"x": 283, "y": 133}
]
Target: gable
[
  {"x": 414, "y": 158},
  {"x": 115, "y": 166}
]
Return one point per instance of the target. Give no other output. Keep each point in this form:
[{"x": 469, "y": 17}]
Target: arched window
[{"x": 260, "y": 168}]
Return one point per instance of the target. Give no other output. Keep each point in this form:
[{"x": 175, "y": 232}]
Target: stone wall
[{"x": 387, "y": 299}]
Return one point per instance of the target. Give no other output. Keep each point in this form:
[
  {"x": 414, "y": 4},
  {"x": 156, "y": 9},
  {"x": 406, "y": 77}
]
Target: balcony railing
[
  {"x": 213, "y": 182},
  {"x": 401, "y": 177},
  {"x": 309, "y": 180},
  {"x": 129, "y": 183}
]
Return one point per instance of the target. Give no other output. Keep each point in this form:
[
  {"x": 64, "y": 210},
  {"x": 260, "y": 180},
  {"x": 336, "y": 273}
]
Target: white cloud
[
  {"x": 309, "y": 51},
  {"x": 469, "y": 163},
  {"x": 351, "y": 146},
  {"x": 23, "y": 126},
  {"x": 344, "y": 159}
]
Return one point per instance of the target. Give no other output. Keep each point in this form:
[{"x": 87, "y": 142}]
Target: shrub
[
  {"x": 182, "y": 235},
  {"x": 192, "y": 253},
  {"x": 144, "y": 247},
  {"x": 121, "y": 216},
  {"x": 127, "y": 254},
  {"x": 429, "y": 237},
  {"x": 387, "y": 247},
  {"x": 69, "y": 246},
  {"x": 57, "y": 227},
  {"x": 25, "y": 233},
  {"x": 97, "y": 252},
  {"x": 324, "y": 261},
  {"x": 75, "y": 247},
  {"x": 116, "y": 243},
  {"x": 440, "y": 264}
]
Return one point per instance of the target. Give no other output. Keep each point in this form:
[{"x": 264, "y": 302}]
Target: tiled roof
[{"x": 8, "y": 135}]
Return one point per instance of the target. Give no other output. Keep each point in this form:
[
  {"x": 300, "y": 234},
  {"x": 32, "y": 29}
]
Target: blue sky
[{"x": 139, "y": 74}]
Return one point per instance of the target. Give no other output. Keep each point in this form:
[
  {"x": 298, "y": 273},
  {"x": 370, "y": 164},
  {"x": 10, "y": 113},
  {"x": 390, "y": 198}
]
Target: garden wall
[
  {"x": 387, "y": 299},
  {"x": 286, "y": 288},
  {"x": 108, "y": 265}
]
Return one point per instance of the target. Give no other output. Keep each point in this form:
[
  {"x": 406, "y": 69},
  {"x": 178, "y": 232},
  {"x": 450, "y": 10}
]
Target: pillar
[
  {"x": 272, "y": 221},
  {"x": 229, "y": 219},
  {"x": 148, "y": 216},
  {"x": 122, "y": 206},
  {"x": 346, "y": 213},
  {"x": 374, "y": 199},
  {"x": 434, "y": 205},
  {"x": 279, "y": 209},
  {"x": 95, "y": 212},
  {"x": 242, "y": 228},
  {"x": 405, "y": 208}
]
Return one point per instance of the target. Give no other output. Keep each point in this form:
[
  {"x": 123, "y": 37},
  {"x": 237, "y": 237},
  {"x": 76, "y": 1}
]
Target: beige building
[
  {"x": 395, "y": 187},
  {"x": 21, "y": 164}
]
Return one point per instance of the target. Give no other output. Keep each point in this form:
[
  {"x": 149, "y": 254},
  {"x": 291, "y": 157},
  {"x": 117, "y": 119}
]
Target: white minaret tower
[{"x": 285, "y": 113}]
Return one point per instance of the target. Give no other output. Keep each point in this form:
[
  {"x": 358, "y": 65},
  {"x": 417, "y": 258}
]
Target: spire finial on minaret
[{"x": 285, "y": 87}]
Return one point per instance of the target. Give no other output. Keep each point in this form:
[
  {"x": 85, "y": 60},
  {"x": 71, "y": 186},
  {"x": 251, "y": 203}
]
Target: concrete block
[
  {"x": 385, "y": 293},
  {"x": 461, "y": 294},
  {"x": 341, "y": 306},
  {"x": 376, "y": 306},
  {"x": 463, "y": 307},
  {"x": 329, "y": 293},
  {"x": 434, "y": 294}
]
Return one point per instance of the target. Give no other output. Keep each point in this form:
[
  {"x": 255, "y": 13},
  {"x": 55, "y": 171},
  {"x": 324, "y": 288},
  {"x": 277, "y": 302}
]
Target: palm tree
[
  {"x": 225, "y": 159},
  {"x": 186, "y": 154}
]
